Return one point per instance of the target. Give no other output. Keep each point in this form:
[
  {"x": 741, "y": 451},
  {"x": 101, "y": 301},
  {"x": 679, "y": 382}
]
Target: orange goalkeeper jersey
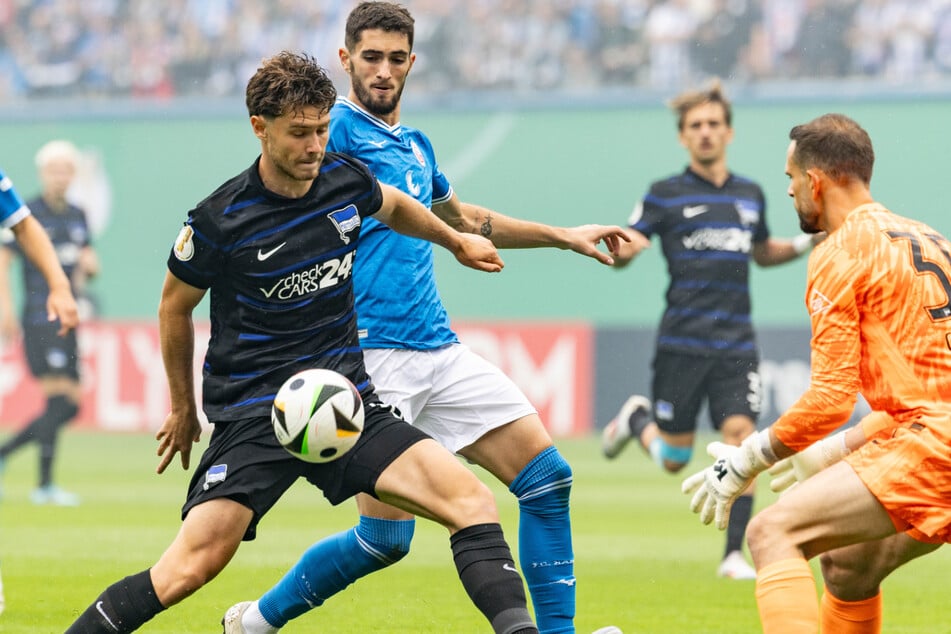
[{"x": 879, "y": 298}]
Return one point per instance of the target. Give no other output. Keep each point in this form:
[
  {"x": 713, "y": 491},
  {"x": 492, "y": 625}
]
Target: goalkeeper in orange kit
[{"x": 879, "y": 299}]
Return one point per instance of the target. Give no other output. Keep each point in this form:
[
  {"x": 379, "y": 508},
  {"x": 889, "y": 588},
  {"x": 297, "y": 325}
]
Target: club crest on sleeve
[
  {"x": 215, "y": 474},
  {"x": 184, "y": 247},
  {"x": 346, "y": 220},
  {"x": 818, "y": 303}
]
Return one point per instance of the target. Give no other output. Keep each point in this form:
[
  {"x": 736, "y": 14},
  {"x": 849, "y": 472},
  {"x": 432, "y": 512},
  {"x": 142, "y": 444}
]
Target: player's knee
[
  {"x": 669, "y": 457},
  {"x": 472, "y": 503},
  {"x": 852, "y": 581},
  {"x": 389, "y": 540},
  {"x": 544, "y": 484}
]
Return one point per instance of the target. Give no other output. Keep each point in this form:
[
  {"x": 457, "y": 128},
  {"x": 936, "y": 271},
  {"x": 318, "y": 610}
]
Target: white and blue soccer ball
[{"x": 317, "y": 415}]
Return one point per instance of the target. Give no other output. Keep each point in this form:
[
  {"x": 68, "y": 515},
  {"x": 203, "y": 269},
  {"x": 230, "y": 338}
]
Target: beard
[
  {"x": 379, "y": 106},
  {"x": 808, "y": 222}
]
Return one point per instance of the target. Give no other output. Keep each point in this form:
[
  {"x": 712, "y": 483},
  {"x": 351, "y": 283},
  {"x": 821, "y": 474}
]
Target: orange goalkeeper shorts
[{"x": 908, "y": 469}]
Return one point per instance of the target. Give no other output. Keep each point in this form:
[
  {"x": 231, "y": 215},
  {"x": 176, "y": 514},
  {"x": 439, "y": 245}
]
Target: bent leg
[
  {"x": 381, "y": 538},
  {"x": 830, "y": 510},
  {"x": 522, "y": 456},
  {"x": 206, "y": 542},
  {"x": 429, "y": 481},
  {"x": 852, "y": 602}
]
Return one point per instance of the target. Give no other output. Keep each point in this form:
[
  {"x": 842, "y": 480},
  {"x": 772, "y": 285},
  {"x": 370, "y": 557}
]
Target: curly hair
[{"x": 289, "y": 82}]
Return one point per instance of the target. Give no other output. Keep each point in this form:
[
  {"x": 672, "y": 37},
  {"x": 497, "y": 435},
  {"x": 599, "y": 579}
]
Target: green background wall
[{"x": 557, "y": 166}]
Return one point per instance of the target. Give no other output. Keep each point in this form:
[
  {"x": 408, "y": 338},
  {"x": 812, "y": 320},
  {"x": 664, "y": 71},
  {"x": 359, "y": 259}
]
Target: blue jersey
[
  {"x": 707, "y": 234},
  {"x": 12, "y": 209},
  {"x": 398, "y": 305}
]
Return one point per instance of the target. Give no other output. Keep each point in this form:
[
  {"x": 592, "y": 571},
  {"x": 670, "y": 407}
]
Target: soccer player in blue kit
[
  {"x": 60, "y": 304},
  {"x": 275, "y": 245},
  {"x": 415, "y": 359}
]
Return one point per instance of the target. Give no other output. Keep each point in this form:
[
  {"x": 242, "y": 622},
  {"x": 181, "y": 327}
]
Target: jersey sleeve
[
  {"x": 647, "y": 215},
  {"x": 827, "y": 404},
  {"x": 761, "y": 233},
  {"x": 12, "y": 207},
  {"x": 442, "y": 189},
  {"x": 196, "y": 257}
]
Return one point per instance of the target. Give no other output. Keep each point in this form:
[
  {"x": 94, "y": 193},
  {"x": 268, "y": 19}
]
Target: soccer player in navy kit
[
  {"x": 710, "y": 222},
  {"x": 60, "y": 305},
  {"x": 275, "y": 245},
  {"x": 418, "y": 364},
  {"x": 52, "y": 359}
]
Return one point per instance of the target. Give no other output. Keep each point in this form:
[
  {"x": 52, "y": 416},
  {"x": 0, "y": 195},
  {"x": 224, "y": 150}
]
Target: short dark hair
[
  {"x": 289, "y": 82},
  {"x": 687, "y": 101},
  {"x": 386, "y": 16},
  {"x": 837, "y": 145}
]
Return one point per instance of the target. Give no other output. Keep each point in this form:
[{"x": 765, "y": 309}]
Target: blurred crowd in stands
[{"x": 167, "y": 48}]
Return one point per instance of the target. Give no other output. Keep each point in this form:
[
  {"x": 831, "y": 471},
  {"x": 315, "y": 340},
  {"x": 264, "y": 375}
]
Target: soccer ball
[{"x": 317, "y": 415}]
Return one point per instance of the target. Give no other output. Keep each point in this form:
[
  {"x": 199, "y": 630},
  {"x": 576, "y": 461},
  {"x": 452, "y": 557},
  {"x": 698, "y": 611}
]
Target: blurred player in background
[
  {"x": 275, "y": 247},
  {"x": 415, "y": 359},
  {"x": 59, "y": 304},
  {"x": 711, "y": 223},
  {"x": 879, "y": 298},
  {"x": 52, "y": 358}
]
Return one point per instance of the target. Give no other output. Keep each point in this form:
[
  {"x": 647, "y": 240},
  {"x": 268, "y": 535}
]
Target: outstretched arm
[
  {"x": 775, "y": 251},
  {"x": 408, "y": 216},
  {"x": 506, "y": 232}
]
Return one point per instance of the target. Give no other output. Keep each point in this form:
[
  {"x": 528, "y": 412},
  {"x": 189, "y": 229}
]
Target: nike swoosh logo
[
  {"x": 377, "y": 143},
  {"x": 694, "y": 210},
  {"x": 105, "y": 616},
  {"x": 264, "y": 256},
  {"x": 509, "y": 567}
]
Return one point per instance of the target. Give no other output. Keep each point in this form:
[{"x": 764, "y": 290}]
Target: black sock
[
  {"x": 487, "y": 571},
  {"x": 59, "y": 411},
  {"x": 739, "y": 517},
  {"x": 122, "y": 607},
  {"x": 24, "y": 436}
]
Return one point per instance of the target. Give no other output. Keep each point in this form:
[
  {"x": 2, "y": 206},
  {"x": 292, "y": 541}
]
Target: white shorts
[{"x": 451, "y": 393}]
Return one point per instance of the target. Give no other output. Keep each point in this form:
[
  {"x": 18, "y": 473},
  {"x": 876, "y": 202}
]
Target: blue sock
[
  {"x": 544, "y": 539},
  {"x": 334, "y": 563}
]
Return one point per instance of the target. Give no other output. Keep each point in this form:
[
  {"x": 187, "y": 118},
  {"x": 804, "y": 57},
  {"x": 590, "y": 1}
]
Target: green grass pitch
[{"x": 643, "y": 561}]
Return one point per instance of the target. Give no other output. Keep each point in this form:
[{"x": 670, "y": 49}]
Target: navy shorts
[
  {"x": 49, "y": 354},
  {"x": 244, "y": 462},
  {"x": 731, "y": 386}
]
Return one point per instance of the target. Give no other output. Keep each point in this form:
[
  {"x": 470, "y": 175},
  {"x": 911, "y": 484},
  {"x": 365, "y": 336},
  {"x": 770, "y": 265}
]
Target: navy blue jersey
[
  {"x": 279, "y": 274},
  {"x": 69, "y": 233},
  {"x": 707, "y": 234}
]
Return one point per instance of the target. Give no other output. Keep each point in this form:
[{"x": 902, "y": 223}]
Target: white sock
[{"x": 254, "y": 623}]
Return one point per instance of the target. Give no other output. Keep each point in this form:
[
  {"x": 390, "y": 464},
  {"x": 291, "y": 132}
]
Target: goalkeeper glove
[
  {"x": 716, "y": 487},
  {"x": 808, "y": 462}
]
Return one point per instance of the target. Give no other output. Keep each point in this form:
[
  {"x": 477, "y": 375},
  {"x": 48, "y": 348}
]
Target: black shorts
[
  {"x": 731, "y": 386},
  {"x": 245, "y": 463},
  {"x": 49, "y": 354}
]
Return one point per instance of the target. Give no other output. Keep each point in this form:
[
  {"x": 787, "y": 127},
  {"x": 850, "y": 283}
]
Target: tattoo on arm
[{"x": 486, "y": 228}]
